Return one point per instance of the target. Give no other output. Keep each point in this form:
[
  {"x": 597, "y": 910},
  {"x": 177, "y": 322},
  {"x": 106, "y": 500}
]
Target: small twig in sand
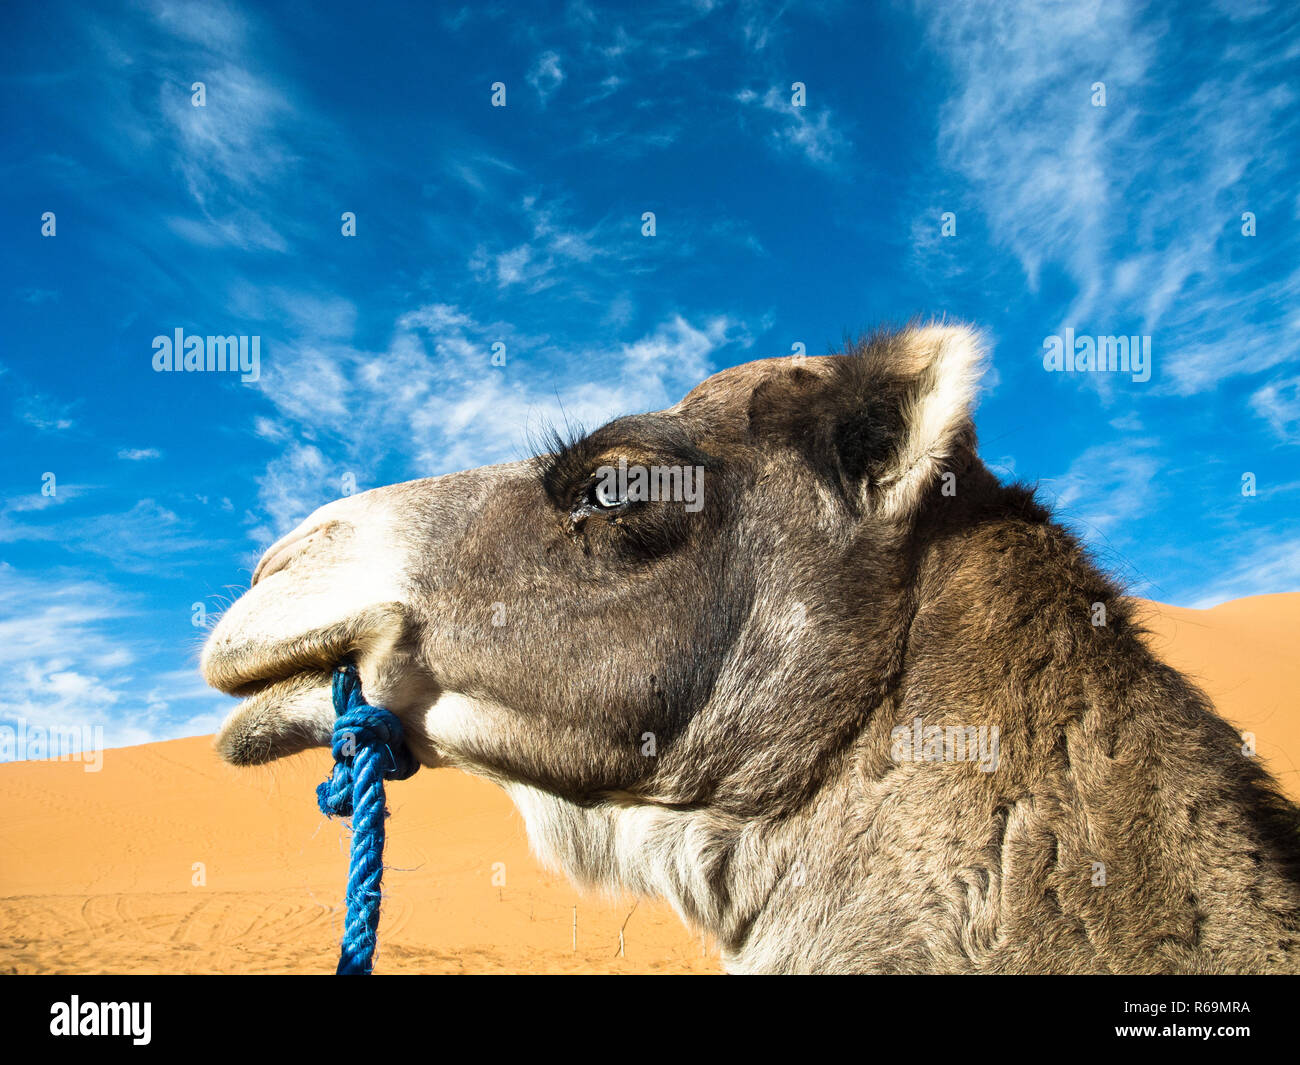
[{"x": 621, "y": 930}]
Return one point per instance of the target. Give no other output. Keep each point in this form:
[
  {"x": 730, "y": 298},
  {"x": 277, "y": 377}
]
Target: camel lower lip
[{"x": 276, "y": 718}]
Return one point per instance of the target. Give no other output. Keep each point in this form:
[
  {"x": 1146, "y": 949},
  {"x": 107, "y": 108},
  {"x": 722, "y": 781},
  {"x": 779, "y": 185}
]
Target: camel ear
[
  {"x": 899, "y": 408},
  {"x": 944, "y": 363},
  {"x": 885, "y": 419}
]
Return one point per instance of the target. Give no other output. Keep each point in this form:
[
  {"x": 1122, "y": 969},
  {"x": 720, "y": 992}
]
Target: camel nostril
[{"x": 280, "y": 554}]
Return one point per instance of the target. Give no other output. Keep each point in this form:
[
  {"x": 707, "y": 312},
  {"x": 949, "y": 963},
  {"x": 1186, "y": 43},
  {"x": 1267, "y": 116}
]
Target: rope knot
[{"x": 366, "y": 727}]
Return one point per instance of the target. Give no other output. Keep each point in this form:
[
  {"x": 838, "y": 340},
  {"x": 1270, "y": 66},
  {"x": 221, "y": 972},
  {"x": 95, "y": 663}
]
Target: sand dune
[
  {"x": 98, "y": 874},
  {"x": 1244, "y": 656},
  {"x": 169, "y": 861}
]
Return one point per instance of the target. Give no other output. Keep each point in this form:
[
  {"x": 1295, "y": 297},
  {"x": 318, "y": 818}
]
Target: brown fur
[{"x": 828, "y": 592}]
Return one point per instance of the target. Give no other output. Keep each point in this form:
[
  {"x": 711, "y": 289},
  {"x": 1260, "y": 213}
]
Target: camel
[{"x": 863, "y": 709}]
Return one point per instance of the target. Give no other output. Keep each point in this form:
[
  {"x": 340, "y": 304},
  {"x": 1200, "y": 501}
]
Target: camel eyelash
[
  {"x": 561, "y": 462},
  {"x": 566, "y": 465}
]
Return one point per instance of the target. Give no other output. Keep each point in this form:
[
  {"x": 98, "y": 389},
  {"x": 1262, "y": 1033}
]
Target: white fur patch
[
  {"x": 640, "y": 848},
  {"x": 458, "y": 724},
  {"x": 950, "y": 364}
]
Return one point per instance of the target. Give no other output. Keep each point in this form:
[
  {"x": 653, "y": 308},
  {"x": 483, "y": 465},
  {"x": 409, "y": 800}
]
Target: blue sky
[{"x": 522, "y": 225}]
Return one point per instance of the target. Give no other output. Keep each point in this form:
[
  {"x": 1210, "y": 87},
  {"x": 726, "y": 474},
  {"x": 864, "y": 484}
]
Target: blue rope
[{"x": 368, "y": 749}]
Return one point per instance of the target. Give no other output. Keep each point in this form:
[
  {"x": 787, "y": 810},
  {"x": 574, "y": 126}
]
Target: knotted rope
[{"x": 368, "y": 749}]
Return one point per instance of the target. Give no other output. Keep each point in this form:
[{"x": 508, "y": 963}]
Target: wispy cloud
[
  {"x": 1143, "y": 215},
  {"x": 46, "y": 414},
  {"x": 75, "y": 668},
  {"x": 134, "y": 540},
  {"x": 1104, "y": 493},
  {"x": 444, "y": 406},
  {"x": 795, "y": 129},
  {"x": 554, "y": 245},
  {"x": 1108, "y": 485},
  {"x": 209, "y": 114},
  {"x": 1278, "y": 403},
  {"x": 1265, "y": 566},
  {"x": 546, "y": 76},
  {"x": 294, "y": 484}
]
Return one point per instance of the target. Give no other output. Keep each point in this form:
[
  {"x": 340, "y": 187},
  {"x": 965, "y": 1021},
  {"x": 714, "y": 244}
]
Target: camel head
[{"x": 693, "y": 609}]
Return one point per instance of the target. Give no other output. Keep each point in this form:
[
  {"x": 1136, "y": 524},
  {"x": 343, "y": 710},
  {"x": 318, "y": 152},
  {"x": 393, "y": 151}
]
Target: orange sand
[
  {"x": 97, "y": 870},
  {"x": 1245, "y": 655}
]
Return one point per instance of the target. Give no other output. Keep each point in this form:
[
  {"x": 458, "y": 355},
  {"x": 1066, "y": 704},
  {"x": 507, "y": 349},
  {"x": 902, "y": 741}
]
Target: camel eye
[{"x": 608, "y": 496}]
